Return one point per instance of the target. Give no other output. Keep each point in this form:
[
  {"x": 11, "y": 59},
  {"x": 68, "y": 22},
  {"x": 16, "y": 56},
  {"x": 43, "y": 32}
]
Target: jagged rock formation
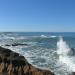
[{"x": 12, "y": 63}]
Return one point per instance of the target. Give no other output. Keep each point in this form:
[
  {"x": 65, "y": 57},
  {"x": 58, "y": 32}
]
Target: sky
[{"x": 37, "y": 15}]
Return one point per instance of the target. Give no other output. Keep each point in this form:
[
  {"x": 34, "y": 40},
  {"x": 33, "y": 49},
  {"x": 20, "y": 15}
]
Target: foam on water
[
  {"x": 62, "y": 47},
  {"x": 43, "y": 36},
  {"x": 63, "y": 50},
  {"x": 11, "y": 36},
  {"x": 40, "y": 55},
  {"x": 53, "y": 36}
]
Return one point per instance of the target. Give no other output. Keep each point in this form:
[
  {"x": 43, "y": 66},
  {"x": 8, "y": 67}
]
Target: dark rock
[
  {"x": 12, "y": 63},
  {"x": 7, "y": 45},
  {"x": 73, "y": 50},
  {"x": 17, "y": 44},
  {"x": 73, "y": 73}
]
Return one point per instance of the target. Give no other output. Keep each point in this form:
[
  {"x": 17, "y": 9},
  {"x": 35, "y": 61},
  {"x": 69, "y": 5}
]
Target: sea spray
[
  {"x": 63, "y": 50},
  {"x": 62, "y": 47}
]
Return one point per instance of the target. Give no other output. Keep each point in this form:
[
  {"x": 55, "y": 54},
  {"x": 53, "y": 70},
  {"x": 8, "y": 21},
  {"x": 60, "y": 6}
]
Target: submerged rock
[
  {"x": 72, "y": 52},
  {"x": 12, "y": 63},
  {"x": 17, "y": 44}
]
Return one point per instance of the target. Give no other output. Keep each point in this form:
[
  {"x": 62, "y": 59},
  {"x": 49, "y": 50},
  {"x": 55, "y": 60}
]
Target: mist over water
[
  {"x": 62, "y": 47},
  {"x": 44, "y": 50},
  {"x": 63, "y": 50}
]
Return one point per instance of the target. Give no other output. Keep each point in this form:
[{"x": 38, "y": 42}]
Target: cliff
[{"x": 12, "y": 63}]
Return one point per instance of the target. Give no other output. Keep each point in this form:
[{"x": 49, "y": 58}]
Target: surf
[{"x": 63, "y": 50}]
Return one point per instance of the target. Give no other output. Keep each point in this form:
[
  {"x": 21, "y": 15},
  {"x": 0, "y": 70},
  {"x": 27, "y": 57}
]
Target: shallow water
[{"x": 41, "y": 50}]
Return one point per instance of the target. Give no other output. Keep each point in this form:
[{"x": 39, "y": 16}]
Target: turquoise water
[{"x": 41, "y": 49}]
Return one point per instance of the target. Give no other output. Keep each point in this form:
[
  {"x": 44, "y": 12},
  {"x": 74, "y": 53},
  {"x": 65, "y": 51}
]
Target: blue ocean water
[{"x": 41, "y": 49}]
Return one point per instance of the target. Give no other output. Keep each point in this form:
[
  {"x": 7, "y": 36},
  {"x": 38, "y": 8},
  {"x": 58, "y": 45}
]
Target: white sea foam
[
  {"x": 53, "y": 36},
  {"x": 13, "y": 37},
  {"x": 42, "y": 57},
  {"x": 63, "y": 50},
  {"x": 62, "y": 47},
  {"x": 68, "y": 61},
  {"x": 43, "y": 36}
]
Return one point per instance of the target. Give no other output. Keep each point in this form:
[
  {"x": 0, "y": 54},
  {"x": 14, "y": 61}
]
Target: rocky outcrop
[{"x": 12, "y": 63}]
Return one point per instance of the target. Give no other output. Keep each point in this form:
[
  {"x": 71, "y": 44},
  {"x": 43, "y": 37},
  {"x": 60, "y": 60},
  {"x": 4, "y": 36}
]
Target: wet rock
[
  {"x": 7, "y": 45},
  {"x": 73, "y": 73},
  {"x": 11, "y": 63},
  {"x": 73, "y": 50},
  {"x": 17, "y": 44}
]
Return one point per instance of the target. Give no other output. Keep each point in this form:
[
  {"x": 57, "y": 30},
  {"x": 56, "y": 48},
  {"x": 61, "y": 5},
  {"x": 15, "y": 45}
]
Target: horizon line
[{"x": 40, "y": 31}]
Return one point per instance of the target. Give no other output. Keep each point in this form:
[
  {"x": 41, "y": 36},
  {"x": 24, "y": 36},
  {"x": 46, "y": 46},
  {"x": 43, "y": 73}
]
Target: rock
[
  {"x": 73, "y": 73},
  {"x": 7, "y": 45},
  {"x": 73, "y": 50},
  {"x": 11, "y": 63},
  {"x": 17, "y": 44}
]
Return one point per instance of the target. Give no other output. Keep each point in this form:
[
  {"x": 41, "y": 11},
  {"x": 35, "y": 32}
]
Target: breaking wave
[
  {"x": 51, "y": 53},
  {"x": 63, "y": 50}
]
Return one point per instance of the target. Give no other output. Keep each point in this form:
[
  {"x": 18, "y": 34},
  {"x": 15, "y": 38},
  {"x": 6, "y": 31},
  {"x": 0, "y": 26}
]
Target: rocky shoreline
[{"x": 11, "y": 63}]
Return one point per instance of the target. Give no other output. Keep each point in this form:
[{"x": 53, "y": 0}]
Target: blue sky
[{"x": 37, "y": 15}]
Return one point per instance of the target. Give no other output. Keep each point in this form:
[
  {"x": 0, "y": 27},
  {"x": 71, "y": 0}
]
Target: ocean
[{"x": 53, "y": 51}]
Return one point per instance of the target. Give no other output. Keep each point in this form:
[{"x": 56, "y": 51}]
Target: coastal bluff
[{"x": 11, "y": 63}]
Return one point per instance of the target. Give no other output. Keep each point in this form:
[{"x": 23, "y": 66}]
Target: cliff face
[{"x": 12, "y": 63}]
